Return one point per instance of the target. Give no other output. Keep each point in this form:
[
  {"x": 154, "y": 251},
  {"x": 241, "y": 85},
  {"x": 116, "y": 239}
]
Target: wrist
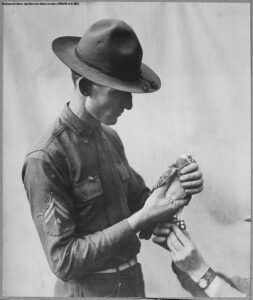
[
  {"x": 207, "y": 279},
  {"x": 197, "y": 274},
  {"x": 137, "y": 221}
]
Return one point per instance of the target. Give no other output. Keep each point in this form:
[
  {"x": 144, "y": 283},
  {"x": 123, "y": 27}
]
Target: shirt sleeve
[
  {"x": 69, "y": 255},
  {"x": 138, "y": 192},
  {"x": 220, "y": 288},
  {"x": 223, "y": 286}
]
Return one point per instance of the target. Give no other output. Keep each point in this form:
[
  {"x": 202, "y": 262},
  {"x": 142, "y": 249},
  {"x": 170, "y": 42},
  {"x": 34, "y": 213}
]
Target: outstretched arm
[{"x": 194, "y": 273}]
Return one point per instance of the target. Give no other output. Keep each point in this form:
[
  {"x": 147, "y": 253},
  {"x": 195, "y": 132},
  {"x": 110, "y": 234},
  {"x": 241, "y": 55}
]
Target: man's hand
[
  {"x": 184, "y": 252},
  {"x": 157, "y": 208},
  {"x": 191, "y": 179},
  {"x": 188, "y": 182}
]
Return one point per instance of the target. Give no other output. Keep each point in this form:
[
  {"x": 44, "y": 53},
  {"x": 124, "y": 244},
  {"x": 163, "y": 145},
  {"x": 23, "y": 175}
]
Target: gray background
[{"x": 202, "y": 53}]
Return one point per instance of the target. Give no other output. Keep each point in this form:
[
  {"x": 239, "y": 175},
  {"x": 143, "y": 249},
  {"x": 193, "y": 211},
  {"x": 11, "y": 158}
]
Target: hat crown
[{"x": 113, "y": 47}]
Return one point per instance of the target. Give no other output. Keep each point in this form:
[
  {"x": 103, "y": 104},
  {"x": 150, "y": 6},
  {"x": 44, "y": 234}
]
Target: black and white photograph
[{"x": 126, "y": 166}]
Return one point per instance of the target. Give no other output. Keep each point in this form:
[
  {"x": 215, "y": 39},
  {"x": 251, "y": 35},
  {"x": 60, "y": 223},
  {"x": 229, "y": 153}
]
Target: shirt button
[
  {"x": 91, "y": 179},
  {"x": 58, "y": 223},
  {"x": 84, "y": 196}
]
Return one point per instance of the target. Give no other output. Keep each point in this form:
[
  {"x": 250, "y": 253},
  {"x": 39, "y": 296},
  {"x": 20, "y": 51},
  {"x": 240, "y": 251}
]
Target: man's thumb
[
  {"x": 161, "y": 190},
  {"x": 177, "y": 204}
]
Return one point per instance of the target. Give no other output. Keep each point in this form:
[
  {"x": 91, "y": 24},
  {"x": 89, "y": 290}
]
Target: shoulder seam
[
  {"x": 38, "y": 150},
  {"x": 58, "y": 132}
]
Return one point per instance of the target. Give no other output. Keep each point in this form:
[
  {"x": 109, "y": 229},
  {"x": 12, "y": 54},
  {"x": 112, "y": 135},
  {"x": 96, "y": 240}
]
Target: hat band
[{"x": 98, "y": 67}]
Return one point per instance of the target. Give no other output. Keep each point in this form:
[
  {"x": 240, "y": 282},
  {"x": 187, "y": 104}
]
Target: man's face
[{"x": 107, "y": 104}]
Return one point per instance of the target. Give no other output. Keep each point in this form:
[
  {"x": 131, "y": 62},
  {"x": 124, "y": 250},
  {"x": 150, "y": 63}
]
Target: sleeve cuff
[
  {"x": 220, "y": 288},
  {"x": 121, "y": 234}
]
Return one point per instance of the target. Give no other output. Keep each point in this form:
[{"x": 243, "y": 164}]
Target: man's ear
[{"x": 84, "y": 86}]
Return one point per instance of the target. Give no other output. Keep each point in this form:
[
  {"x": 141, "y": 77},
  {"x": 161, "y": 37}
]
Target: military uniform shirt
[{"x": 81, "y": 189}]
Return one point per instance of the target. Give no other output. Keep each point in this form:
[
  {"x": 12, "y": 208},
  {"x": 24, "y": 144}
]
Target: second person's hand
[{"x": 184, "y": 252}]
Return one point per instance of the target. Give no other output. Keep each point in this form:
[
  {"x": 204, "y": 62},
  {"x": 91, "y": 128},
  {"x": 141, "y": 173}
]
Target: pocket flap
[{"x": 90, "y": 188}]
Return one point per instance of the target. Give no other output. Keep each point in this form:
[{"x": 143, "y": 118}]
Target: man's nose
[{"x": 128, "y": 103}]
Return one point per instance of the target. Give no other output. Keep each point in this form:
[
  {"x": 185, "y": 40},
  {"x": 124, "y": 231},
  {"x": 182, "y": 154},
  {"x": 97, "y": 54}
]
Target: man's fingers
[
  {"x": 164, "y": 225},
  {"x": 193, "y": 184},
  {"x": 161, "y": 231},
  {"x": 180, "y": 234},
  {"x": 170, "y": 246},
  {"x": 159, "y": 239},
  {"x": 189, "y": 168},
  {"x": 174, "y": 243},
  {"x": 177, "y": 204},
  {"x": 191, "y": 176},
  {"x": 186, "y": 233},
  {"x": 160, "y": 191},
  {"x": 194, "y": 191}
]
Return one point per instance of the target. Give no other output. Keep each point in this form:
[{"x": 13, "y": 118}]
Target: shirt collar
[{"x": 84, "y": 127}]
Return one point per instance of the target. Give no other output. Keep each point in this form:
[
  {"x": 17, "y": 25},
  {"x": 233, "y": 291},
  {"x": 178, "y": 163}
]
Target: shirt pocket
[{"x": 89, "y": 189}]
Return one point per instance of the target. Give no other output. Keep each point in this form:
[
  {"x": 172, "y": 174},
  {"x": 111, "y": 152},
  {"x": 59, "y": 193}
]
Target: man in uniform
[{"x": 87, "y": 203}]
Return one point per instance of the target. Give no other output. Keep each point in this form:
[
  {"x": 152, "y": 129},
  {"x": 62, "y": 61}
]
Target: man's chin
[{"x": 111, "y": 121}]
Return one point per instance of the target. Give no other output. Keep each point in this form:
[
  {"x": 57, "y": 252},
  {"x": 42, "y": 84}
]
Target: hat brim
[{"x": 64, "y": 48}]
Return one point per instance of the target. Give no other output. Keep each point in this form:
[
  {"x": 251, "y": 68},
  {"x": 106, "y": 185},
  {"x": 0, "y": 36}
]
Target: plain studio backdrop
[{"x": 201, "y": 52}]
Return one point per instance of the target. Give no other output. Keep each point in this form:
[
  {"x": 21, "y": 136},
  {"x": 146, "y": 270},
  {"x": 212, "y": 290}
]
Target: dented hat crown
[{"x": 109, "y": 53}]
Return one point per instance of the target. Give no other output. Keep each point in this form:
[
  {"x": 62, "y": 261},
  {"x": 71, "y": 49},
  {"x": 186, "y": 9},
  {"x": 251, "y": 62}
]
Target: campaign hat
[{"x": 109, "y": 53}]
